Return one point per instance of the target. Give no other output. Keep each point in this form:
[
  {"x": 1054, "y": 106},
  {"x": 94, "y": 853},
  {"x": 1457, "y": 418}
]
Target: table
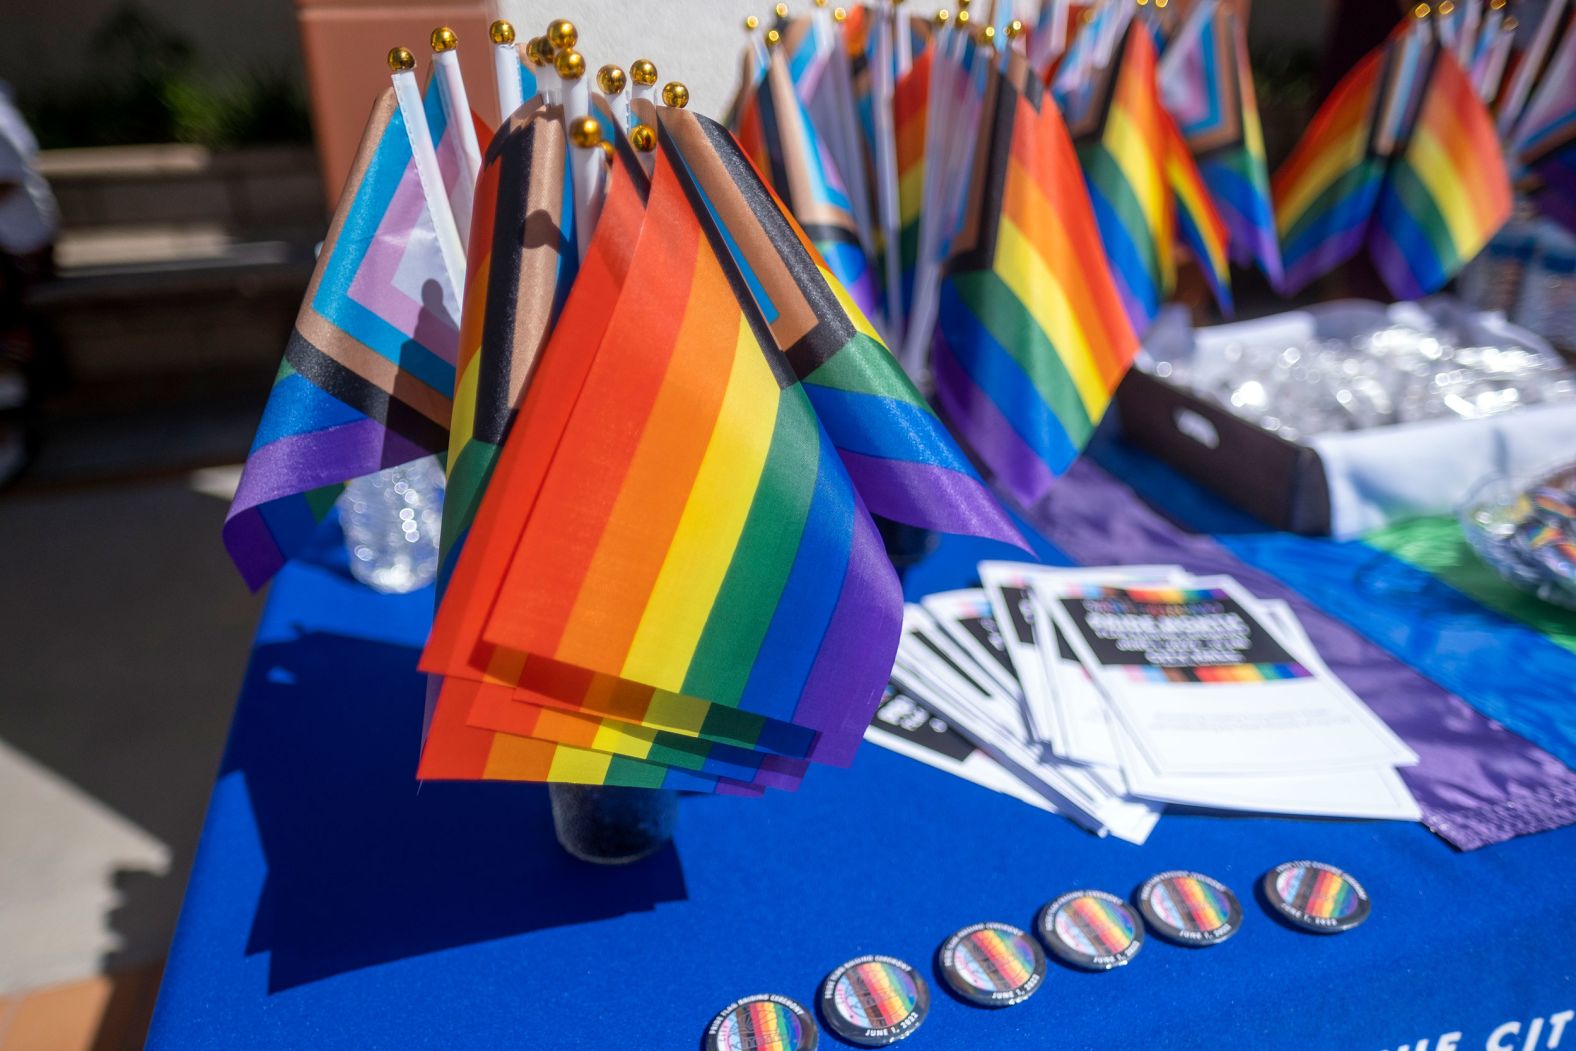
[{"x": 336, "y": 903}]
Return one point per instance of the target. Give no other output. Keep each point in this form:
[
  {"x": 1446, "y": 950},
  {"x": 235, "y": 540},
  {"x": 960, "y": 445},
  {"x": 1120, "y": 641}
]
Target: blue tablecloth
[{"x": 336, "y": 903}]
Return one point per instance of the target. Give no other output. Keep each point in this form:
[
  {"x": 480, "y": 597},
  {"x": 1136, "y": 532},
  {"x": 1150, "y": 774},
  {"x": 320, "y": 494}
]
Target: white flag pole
[
  {"x": 506, "y": 70},
  {"x": 457, "y": 113},
  {"x": 407, "y": 92}
]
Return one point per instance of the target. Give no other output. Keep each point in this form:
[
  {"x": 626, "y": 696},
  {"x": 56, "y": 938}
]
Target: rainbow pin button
[
  {"x": 992, "y": 964},
  {"x": 873, "y": 1001},
  {"x": 1091, "y": 929},
  {"x": 1315, "y": 896},
  {"x": 1189, "y": 908},
  {"x": 763, "y": 1022}
]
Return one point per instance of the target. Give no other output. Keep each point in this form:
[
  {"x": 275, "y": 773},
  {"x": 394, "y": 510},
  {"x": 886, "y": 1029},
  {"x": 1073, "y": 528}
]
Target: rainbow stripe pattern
[
  {"x": 1326, "y": 190},
  {"x": 994, "y": 961},
  {"x": 1207, "y": 86},
  {"x": 1094, "y": 927},
  {"x": 910, "y": 111},
  {"x": 761, "y": 1026},
  {"x": 1032, "y": 336},
  {"x": 675, "y": 541},
  {"x": 1447, "y": 191},
  {"x": 1198, "y": 224},
  {"x": 1402, "y": 158},
  {"x": 875, "y": 995},
  {"x": 1317, "y": 893},
  {"x": 368, "y": 373},
  {"x": 1189, "y": 904},
  {"x": 1217, "y": 673}
]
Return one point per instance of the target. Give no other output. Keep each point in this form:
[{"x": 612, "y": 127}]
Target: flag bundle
[
  {"x": 1541, "y": 134},
  {"x": 1403, "y": 159},
  {"x": 667, "y": 423},
  {"x": 948, "y": 188}
]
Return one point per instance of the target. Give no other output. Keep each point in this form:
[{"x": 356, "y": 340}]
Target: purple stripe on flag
[
  {"x": 1393, "y": 265},
  {"x": 781, "y": 773},
  {"x": 252, "y": 547},
  {"x": 1478, "y": 783},
  {"x": 931, "y": 497},
  {"x": 303, "y": 462},
  {"x": 1013, "y": 463},
  {"x": 1326, "y": 256},
  {"x": 859, "y": 645}
]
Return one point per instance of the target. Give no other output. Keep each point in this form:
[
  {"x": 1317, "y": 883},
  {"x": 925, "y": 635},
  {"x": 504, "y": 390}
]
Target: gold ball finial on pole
[
  {"x": 539, "y": 51},
  {"x": 562, "y": 34},
  {"x": 780, "y": 10},
  {"x": 1421, "y": 11},
  {"x": 675, "y": 94},
  {"x": 401, "y": 60},
  {"x": 1446, "y": 7},
  {"x": 643, "y": 72},
  {"x": 585, "y": 132},
  {"x": 642, "y": 138},
  {"x": 571, "y": 65},
  {"x": 839, "y": 14},
  {"x": 943, "y": 17},
  {"x": 773, "y": 38},
  {"x": 610, "y": 79},
  {"x": 751, "y": 23},
  {"x": 501, "y": 32},
  {"x": 444, "y": 39},
  {"x": 963, "y": 17},
  {"x": 1016, "y": 28},
  {"x": 987, "y": 36}
]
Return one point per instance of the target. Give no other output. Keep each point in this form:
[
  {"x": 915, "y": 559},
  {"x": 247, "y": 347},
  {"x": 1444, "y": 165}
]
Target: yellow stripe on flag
[
  {"x": 1022, "y": 270},
  {"x": 703, "y": 545},
  {"x": 1331, "y": 163}
]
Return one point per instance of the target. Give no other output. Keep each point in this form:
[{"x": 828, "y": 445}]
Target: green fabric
[{"x": 1437, "y": 546}]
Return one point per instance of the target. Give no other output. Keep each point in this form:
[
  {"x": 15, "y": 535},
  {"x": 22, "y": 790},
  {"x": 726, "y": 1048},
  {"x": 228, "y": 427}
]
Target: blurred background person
[{"x": 29, "y": 222}]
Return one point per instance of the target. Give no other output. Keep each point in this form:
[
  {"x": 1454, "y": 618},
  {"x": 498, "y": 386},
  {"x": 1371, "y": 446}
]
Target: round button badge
[
  {"x": 764, "y": 1022},
  {"x": 992, "y": 964},
  {"x": 873, "y": 1001},
  {"x": 1189, "y": 908},
  {"x": 1316, "y": 897},
  {"x": 1091, "y": 929}
]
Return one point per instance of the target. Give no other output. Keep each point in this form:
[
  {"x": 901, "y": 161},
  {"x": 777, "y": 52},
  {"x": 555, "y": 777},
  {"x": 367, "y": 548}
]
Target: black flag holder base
[{"x": 610, "y": 825}]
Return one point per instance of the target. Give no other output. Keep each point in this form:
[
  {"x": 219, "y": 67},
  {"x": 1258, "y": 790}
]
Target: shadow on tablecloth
[{"x": 367, "y": 866}]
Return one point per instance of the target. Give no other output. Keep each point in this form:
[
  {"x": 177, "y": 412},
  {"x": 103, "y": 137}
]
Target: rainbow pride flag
[
  {"x": 1032, "y": 335},
  {"x": 777, "y": 134},
  {"x": 716, "y": 670},
  {"x": 1207, "y": 86},
  {"x": 368, "y": 373},
  {"x": 1198, "y": 224},
  {"x": 1123, "y": 156},
  {"x": 1447, "y": 191},
  {"x": 694, "y": 530}
]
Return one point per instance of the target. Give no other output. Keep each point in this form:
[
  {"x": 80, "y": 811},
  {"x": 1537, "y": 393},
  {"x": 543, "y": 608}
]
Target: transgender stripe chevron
[{"x": 368, "y": 372}]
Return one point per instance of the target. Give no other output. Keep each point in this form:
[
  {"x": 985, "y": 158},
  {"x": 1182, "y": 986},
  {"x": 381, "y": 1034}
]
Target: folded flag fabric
[
  {"x": 456, "y": 135},
  {"x": 521, "y": 265},
  {"x": 368, "y": 372},
  {"x": 695, "y": 530},
  {"x": 1326, "y": 190},
  {"x": 1032, "y": 335},
  {"x": 776, "y": 132},
  {"x": 1207, "y": 85},
  {"x": 1402, "y": 158},
  {"x": 1198, "y": 223},
  {"x": 1447, "y": 191}
]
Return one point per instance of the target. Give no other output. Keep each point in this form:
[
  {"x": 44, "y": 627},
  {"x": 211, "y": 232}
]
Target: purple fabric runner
[{"x": 1478, "y": 783}]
